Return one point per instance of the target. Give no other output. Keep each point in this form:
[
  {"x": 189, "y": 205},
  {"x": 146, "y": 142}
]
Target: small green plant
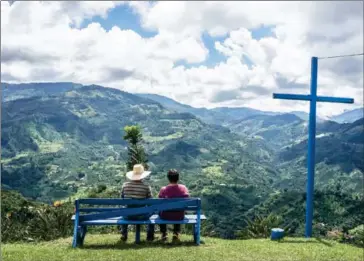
[{"x": 260, "y": 227}]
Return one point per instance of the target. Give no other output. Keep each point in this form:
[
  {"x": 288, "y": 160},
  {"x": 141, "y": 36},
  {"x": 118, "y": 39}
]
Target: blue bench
[{"x": 106, "y": 215}]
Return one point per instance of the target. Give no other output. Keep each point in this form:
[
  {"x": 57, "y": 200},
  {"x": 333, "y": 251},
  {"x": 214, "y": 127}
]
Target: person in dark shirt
[{"x": 172, "y": 190}]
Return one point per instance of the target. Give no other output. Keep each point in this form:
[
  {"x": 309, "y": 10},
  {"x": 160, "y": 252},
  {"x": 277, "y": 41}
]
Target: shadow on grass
[
  {"x": 122, "y": 245},
  {"x": 317, "y": 241}
]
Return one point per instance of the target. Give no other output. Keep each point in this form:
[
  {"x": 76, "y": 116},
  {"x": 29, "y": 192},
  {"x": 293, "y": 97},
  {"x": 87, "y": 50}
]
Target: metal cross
[{"x": 313, "y": 98}]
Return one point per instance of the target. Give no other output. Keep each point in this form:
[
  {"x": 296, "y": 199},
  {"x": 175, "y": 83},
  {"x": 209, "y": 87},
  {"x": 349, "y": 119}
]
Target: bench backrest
[{"x": 140, "y": 207}]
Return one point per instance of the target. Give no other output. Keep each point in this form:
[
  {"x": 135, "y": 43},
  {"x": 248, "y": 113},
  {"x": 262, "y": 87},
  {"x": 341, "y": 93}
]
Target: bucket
[{"x": 277, "y": 233}]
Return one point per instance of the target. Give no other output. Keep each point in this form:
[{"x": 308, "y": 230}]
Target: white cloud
[{"x": 43, "y": 41}]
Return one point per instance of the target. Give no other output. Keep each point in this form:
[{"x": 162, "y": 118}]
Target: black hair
[{"x": 173, "y": 176}]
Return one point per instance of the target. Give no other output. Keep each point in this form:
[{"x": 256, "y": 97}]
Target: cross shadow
[
  {"x": 323, "y": 242},
  {"x": 317, "y": 241}
]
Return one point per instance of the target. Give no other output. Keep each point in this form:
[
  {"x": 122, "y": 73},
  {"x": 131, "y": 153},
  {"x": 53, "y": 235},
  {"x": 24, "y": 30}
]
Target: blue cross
[{"x": 313, "y": 98}]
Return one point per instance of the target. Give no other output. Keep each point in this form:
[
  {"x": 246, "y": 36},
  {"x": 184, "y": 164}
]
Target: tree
[{"x": 133, "y": 135}]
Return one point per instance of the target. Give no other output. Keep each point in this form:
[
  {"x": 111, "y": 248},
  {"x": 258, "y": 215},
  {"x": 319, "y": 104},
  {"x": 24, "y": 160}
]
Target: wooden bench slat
[
  {"x": 155, "y": 219},
  {"x": 140, "y": 210},
  {"x": 129, "y": 222},
  {"x": 90, "y": 210},
  {"x": 121, "y": 201}
]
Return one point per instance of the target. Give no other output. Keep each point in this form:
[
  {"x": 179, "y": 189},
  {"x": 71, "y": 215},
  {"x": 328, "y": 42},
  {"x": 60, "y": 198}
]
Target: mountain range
[
  {"x": 349, "y": 116},
  {"x": 211, "y": 116},
  {"x": 220, "y": 115},
  {"x": 224, "y": 115},
  {"x": 59, "y": 139}
]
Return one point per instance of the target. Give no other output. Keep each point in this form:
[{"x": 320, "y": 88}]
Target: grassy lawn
[{"x": 109, "y": 248}]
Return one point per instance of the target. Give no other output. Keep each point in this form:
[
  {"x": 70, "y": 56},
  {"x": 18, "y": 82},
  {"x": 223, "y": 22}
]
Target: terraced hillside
[{"x": 60, "y": 143}]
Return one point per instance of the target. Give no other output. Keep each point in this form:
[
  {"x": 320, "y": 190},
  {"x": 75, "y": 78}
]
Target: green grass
[{"x": 109, "y": 248}]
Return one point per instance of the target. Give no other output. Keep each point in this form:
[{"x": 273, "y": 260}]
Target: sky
[{"x": 205, "y": 54}]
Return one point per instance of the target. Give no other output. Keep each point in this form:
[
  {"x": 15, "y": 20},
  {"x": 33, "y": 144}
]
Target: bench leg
[
  {"x": 194, "y": 231},
  {"x": 76, "y": 237},
  {"x": 198, "y": 227},
  {"x": 198, "y": 235},
  {"x": 83, "y": 231},
  {"x": 137, "y": 234}
]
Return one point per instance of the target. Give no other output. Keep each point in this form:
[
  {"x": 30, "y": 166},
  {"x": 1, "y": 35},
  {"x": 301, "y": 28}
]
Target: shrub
[
  {"x": 37, "y": 223},
  {"x": 52, "y": 222},
  {"x": 356, "y": 235},
  {"x": 13, "y": 225},
  {"x": 260, "y": 227}
]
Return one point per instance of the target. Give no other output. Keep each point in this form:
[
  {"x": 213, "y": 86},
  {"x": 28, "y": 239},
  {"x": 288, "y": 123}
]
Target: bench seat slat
[
  {"x": 93, "y": 210},
  {"x": 155, "y": 219}
]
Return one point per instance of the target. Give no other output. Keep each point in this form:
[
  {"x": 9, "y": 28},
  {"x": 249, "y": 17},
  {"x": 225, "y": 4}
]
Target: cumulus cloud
[
  {"x": 45, "y": 41},
  {"x": 16, "y": 54}
]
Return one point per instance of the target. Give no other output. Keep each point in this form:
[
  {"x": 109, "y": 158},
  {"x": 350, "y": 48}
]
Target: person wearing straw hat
[{"x": 136, "y": 189}]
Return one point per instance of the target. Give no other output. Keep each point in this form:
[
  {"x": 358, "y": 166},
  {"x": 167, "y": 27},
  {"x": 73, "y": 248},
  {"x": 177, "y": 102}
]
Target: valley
[{"x": 61, "y": 139}]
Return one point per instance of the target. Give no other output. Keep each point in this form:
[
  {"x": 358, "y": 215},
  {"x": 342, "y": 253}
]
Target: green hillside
[
  {"x": 279, "y": 131},
  {"x": 339, "y": 160},
  {"x": 333, "y": 208},
  {"x": 68, "y": 140},
  {"x": 55, "y": 146},
  {"x": 59, "y": 143}
]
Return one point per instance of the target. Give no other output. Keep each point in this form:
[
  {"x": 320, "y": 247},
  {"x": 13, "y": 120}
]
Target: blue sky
[{"x": 123, "y": 17}]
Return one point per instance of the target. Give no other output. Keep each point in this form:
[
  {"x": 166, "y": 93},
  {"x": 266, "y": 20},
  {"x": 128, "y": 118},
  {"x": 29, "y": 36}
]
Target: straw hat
[{"x": 137, "y": 173}]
